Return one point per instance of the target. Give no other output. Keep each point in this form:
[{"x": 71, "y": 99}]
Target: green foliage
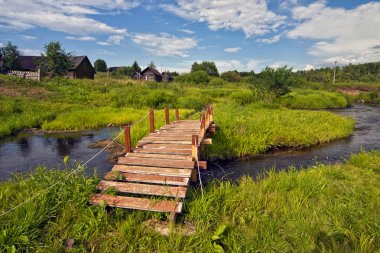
[
  {"x": 313, "y": 99},
  {"x": 323, "y": 208},
  {"x": 123, "y": 71},
  {"x": 243, "y": 97},
  {"x": 254, "y": 129},
  {"x": 366, "y": 72},
  {"x": 217, "y": 81},
  {"x": 100, "y": 65},
  {"x": 135, "y": 66},
  {"x": 208, "y": 67},
  {"x": 231, "y": 76},
  {"x": 56, "y": 60},
  {"x": 272, "y": 83},
  {"x": 9, "y": 54}
]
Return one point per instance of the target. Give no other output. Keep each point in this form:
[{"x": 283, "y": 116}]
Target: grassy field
[
  {"x": 324, "y": 208},
  {"x": 252, "y": 129}
]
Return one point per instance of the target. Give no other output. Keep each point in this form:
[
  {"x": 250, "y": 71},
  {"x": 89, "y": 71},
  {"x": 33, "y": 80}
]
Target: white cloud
[
  {"x": 232, "y": 49},
  {"x": 28, "y": 37},
  {"x": 346, "y": 35},
  {"x": 30, "y": 52},
  {"x": 187, "y": 31},
  {"x": 112, "y": 40},
  {"x": 82, "y": 38},
  {"x": 251, "y": 16},
  {"x": 164, "y": 44},
  {"x": 58, "y": 15},
  {"x": 104, "y": 52},
  {"x": 308, "y": 67},
  {"x": 271, "y": 40}
]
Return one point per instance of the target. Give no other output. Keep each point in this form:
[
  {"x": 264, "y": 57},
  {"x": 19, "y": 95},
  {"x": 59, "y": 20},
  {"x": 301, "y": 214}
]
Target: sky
[{"x": 236, "y": 34}]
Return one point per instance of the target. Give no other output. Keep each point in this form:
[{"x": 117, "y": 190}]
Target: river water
[
  {"x": 366, "y": 136},
  {"x": 25, "y": 151}
]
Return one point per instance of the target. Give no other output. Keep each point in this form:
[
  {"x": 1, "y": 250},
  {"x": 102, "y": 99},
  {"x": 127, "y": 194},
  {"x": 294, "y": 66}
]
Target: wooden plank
[
  {"x": 143, "y": 178},
  {"x": 163, "y": 151},
  {"x": 165, "y": 146},
  {"x": 156, "y": 162},
  {"x": 153, "y": 141},
  {"x": 207, "y": 141},
  {"x": 166, "y": 138},
  {"x": 146, "y": 189},
  {"x": 160, "y": 156},
  {"x": 153, "y": 170},
  {"x": 137, "y": 203}
]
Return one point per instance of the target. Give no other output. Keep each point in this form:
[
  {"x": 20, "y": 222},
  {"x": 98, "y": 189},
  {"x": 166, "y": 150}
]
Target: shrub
[
  {"x": 217, "y": 81},
  {"x": 243, "y": 97}
]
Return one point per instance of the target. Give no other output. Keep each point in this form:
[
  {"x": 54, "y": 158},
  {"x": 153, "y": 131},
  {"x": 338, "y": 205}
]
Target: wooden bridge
[{"x": 156, "y": 174}]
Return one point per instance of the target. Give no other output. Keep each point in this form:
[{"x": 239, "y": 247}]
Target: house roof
[
  {"x": 155, "y": 71},
  {"x": 30, "y": 62}
]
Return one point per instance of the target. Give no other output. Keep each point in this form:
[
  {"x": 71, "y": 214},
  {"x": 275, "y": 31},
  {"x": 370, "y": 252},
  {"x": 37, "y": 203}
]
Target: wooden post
[
  {"x": 176, "y": 114},
  {"x": 194, "y": 152},
  {"x": 167, "y": 116},
  {"x": 202, "y": 123},
  {"x": 211, "y": 114},
  {"x": 151, "y": 121},
  {"x": 127, "y": 138},
  {"x": 208, "y": 116}
]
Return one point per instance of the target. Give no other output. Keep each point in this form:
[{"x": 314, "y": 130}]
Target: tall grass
[
  {"x": 253, "y": 129},
  {"x": 324, "y": 208},
  {"x": 314, "y": 99}
]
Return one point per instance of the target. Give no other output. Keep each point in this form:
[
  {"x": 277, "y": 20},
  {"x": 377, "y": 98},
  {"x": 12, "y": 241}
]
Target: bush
[
  {"x": 231, "y": 76},
  {"x": 243, "y": 97},
  {"x": 193, "y": 102},
  {"x": 217, "y": 81},
  {"x": 160, "y": 99}
]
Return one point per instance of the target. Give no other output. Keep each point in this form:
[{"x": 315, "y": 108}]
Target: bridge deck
[{"x": 162, "y": 164}]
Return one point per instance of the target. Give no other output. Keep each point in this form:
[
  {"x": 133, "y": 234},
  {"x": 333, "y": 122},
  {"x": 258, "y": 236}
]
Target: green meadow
[{"x": 324, "y": 208}]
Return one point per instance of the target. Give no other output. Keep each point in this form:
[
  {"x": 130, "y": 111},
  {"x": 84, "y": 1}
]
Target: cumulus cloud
[
  {"x": 164, "y": 44},
  {"x": 82, "y": 38},
  {"x": 251, "y": 16},
  {"x": 64, "y": 16},
  {"x": 112, "y": 40},
  {"x": 232, "y": 49},
  {"x": 346, "y": 35},
  {"x": 271, "y": 40}
]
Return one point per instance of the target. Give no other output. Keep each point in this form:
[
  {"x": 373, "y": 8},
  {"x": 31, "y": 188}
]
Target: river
[{"x": 25, "y": 151}]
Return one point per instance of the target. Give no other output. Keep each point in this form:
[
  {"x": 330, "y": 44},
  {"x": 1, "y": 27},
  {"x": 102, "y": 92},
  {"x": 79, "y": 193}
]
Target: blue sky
[{"x": 240, "y": 34}]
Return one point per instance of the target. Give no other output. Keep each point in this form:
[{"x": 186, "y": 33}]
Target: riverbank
[{"x": 324, "y": 207}]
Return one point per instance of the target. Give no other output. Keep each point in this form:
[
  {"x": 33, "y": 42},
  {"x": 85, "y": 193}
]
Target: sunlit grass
[
  {"x": 333, "y": 208},
  {"x": 252, "y": 129}
]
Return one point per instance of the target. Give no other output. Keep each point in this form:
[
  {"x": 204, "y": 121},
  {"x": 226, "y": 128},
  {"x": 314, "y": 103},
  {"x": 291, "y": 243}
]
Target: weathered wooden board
[
  {"x": 153, "y": 170},
  {"x": 146, "y": 178},
  {"x": 154, "y": 141},
  {"x": 163, "y": 151},
  {"x": 156, "y": 162},
  {"x": 146, "y": 189},
  {"x": 160, "y": 156},
  {"x": 165, "y": 146},
  {"x": 137, "y": 203}
]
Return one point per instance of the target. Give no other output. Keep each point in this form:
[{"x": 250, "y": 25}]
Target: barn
[
  {"x": 81, "y": 66},
  {"x": 151, "y": 74}
]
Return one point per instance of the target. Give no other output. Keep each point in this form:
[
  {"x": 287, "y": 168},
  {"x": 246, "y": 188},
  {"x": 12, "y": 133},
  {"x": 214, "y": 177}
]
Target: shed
[{"x": 151, "y": 74}]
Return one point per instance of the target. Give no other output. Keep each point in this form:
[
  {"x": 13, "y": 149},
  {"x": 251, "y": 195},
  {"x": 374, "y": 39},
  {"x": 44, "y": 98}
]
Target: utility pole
[{"x": 334, "y": 72}]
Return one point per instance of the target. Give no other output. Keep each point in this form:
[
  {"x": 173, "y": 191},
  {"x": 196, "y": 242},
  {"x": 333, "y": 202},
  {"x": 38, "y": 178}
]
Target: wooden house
[
  {"x": 81, "y": 66},
  {"x": 151, "y": 74},
  {"x": 136, "y": 75},
  {"x": 167, "y": 77}
]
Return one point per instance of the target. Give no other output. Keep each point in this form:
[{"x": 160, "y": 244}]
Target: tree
[
  {"x": 151, "y": 65},
  {"x": 126, "y": 70},
  {"x": 231, "y": 76},
  {"x": 136, "y": 67},
  {"x": 208, "y": 66},
  {"x": 271, "y": 83},
  {"x": 57, "y": 60},
  {"x": 100, "y": 65},
  {"x": 9, "y": 54}
]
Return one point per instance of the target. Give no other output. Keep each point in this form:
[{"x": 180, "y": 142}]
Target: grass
[
  {"x": 252, "y": 129},
  {"x": 324, "y": 208},
  {"x": 314, "y": 99}
]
